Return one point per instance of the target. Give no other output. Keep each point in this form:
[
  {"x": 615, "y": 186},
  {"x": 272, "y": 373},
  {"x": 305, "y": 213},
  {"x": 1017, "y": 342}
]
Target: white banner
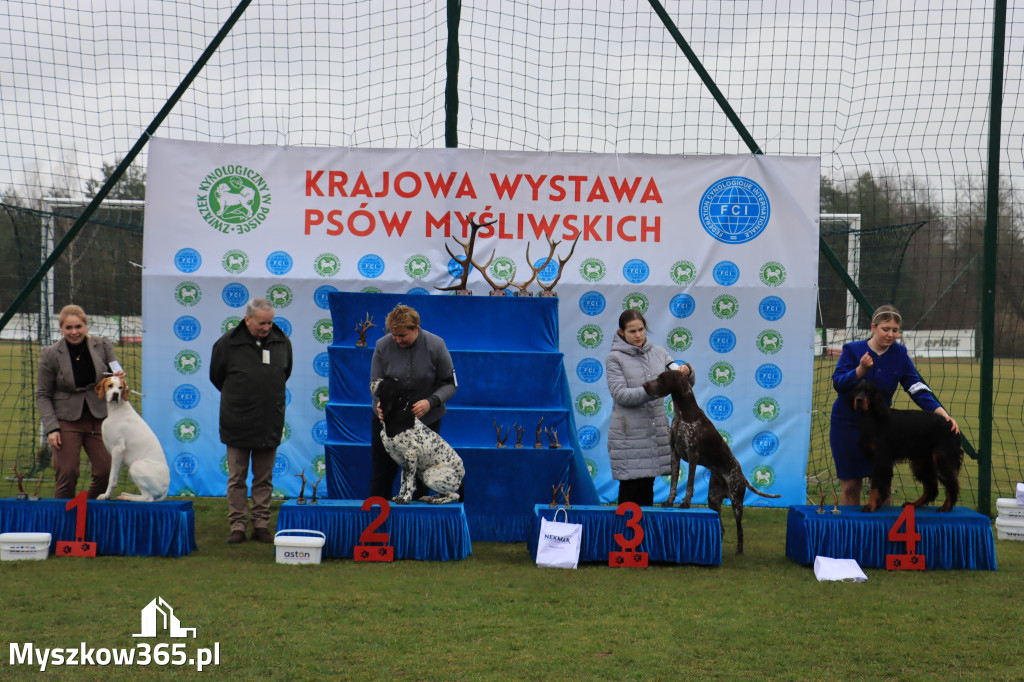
[{"x": 720, "y": 253}]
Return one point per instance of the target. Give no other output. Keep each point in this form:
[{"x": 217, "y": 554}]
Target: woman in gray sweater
[
  {"x": 638, "y": 434},
  {"x": 422, "y": 365}
]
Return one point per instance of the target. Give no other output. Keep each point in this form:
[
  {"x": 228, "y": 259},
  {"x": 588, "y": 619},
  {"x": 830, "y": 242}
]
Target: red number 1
[{"x": 79, "y": 547}]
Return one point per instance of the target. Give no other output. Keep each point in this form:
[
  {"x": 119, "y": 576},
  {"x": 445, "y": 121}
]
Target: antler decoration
[
  {"x": 497, "y": 429},
  {"x": 20, "y": 477},
  {"x": 539, "y": 429},
  {"x": 552, "y": 438},
  {"x": 561, "y": 263},
  {"x": 496, "y": 289},
  {"x": 313, "y": 501},
  {"x": 362, "y": 327},
  {"x": 520, "y": 430},
  {"x": 302, "y": 489},
  {"x": 529, "y": 263},
  {"x": 467, "y": 260}
]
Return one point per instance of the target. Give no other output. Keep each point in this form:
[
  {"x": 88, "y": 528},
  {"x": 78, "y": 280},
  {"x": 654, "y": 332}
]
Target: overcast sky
[{"x": 899, "y": 86}]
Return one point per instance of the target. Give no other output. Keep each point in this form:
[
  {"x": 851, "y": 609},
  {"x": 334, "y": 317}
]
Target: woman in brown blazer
[{"x": 71, "y": 412}]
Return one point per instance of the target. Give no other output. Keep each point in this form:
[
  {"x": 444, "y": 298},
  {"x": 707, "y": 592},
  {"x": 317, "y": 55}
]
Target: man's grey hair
[{"x": 257, "y": 304}]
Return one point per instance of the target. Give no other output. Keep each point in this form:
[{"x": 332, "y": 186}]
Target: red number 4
[{"x": 911, "y": 561}]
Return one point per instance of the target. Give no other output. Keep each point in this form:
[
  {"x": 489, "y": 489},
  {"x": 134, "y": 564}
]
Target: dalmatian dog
[{"x": 417, "y": 449}]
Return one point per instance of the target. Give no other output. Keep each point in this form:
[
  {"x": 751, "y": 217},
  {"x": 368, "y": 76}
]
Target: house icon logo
[{"x": 159, "y": 615}]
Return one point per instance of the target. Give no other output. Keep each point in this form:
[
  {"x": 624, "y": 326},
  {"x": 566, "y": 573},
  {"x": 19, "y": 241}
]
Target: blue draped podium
[
  {"x": 429, "y": 532},
  {"x": 117, "y": 527},
  {"x": 510, "y": 371},
  {"x": 679, "y": 536},
  {"x": 960, "y": 539}
]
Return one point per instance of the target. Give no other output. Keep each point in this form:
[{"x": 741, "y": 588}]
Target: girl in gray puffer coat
[{"x": 638, "y": 434}]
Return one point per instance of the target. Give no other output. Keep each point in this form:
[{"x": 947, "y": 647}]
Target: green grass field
[{"x": 496, "y": 616}]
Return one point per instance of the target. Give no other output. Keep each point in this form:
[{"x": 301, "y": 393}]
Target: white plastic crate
[
  {"x": 1009, "y": 509},
  {"x": 15, "y": 546},
  {"x": 298, "y": 549},
  {"x": 1010, "y": 529}
]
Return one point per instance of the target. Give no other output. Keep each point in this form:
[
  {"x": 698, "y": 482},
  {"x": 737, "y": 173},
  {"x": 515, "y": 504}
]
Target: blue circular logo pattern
[
  {"x": 589, "y": 437},
  {"x": 734, "y": 210},
  {"x": 280, "y": 464},
  {"x": 279, "y": 262},
  {"x": 592, "y": 303},
  {"x": 285, "y": 325},
  {"x": 765, "y": 443},
  {"x": 320, "y": 432},
  {"x": 589, "y": 370},
  {"x": 550, "y": 270},
  {"x": 771, "y": 308},
  {"x": 726, "y": 273},
  {"x": 371, "y": 266},
  {"x": 186, "y": 396},
  {"x": 768, "y": 375},
  {"x": 187, "y": 328},
  {"x": 636, "y": 271},
  {"x": 187, "y": 260},
  {"x": 322, "y": 364},
  {"x": 719, "y": 408},
  {"x": 235, "y": 295},
  {"x": 722, "y": 340},
  {"x": 287, "y": 396},
  {"x": 418, "y": 291},
  {"x": 186, "y": 465},
  {"x": 682, "y": 306},
  {"x": 455, "y": 270},
  {"x": 320, "y": 296}
]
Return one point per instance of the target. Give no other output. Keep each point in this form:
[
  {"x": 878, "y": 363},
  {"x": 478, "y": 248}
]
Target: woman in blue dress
[{"x": 886, "y": 364}]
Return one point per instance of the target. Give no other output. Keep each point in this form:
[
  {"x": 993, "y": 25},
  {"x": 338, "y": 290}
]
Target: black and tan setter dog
[
  {"x": 695, "y": 440},
  {"x": 924, "y": 439}
]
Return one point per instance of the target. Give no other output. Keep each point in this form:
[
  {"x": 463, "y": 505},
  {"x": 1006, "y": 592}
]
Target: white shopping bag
[{"x": 558, "y": 545}]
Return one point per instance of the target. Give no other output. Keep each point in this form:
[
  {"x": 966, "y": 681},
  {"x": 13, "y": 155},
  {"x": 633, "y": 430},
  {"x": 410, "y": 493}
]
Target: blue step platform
[
  {"x": 510, "y": 371},
  {"x": 960, "y": 539},
  {"x": 672, "y": 535},
  {"x": 117, "y": 527},
  {"x": 428, "y": 532}
]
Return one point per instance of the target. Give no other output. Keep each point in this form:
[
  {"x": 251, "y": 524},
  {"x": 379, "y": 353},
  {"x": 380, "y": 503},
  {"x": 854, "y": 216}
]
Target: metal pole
[
  {"x": 451, "y": 90},
  {"x": 988, "y": 270}
]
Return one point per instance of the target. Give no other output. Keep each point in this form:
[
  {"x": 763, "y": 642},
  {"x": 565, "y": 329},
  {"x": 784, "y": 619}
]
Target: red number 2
[{"x": 368, "y": 534}]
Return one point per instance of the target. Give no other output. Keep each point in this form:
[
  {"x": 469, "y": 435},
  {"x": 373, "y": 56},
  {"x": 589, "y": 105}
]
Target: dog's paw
[
  {"x": 103, "y": 496},
  {"x": 868, "y": 508},
  {"x": 398, "y": 499}
]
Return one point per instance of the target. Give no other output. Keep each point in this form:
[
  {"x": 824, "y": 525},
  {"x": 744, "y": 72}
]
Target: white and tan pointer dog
[{"x": 131, "y": 442}]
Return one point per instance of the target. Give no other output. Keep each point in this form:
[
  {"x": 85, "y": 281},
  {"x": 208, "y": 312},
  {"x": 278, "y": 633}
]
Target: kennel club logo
[
  {"x": 187, "y": 293},
  {"x": 417, "y": 266},
  {"x": 233, "y": 199},
  {"x": 734, "y": 210}
]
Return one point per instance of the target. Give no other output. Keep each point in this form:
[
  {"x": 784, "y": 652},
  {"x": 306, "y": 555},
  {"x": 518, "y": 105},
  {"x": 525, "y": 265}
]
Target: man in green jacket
[{"x": 249, "y": 366}]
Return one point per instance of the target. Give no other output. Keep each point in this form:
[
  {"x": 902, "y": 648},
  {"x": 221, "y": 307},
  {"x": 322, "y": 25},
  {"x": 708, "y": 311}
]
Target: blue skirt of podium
[
  {"x": 429, "y": 532},
  {"x": 960, "y": 539},
  {"x": 117, "y": 527},
  {"x": 679, "y": 536}
]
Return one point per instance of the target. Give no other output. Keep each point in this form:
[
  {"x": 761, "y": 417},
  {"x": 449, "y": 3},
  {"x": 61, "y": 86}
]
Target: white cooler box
[
  {"x": 298, "y": 549},
  {"x": 1009, "y": 509},
  {"x": 14, "y": 546},
  {"x": 1010, "y": 529}
]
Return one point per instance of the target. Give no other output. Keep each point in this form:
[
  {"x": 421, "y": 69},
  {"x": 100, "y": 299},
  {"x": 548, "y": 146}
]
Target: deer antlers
[
  {"x": 467, "y": 260},
  {"x": 561, "y": 262}
]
